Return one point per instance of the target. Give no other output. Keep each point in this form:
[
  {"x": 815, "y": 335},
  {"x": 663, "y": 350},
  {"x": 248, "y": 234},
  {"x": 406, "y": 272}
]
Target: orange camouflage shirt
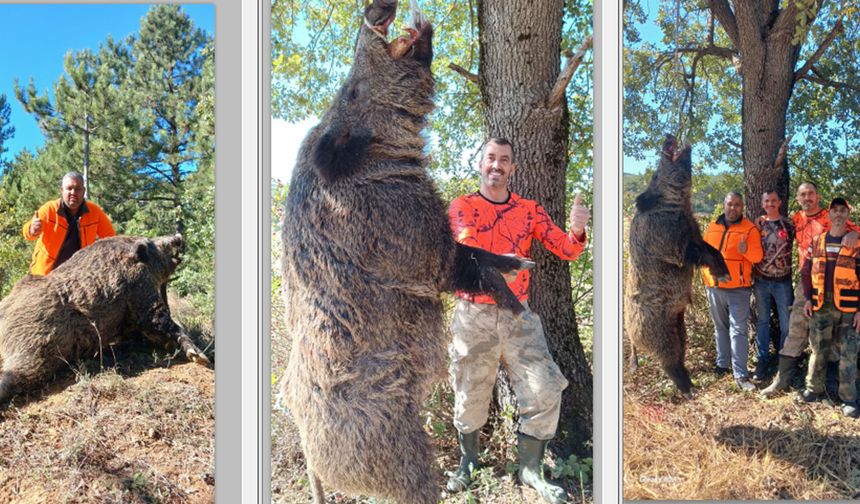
[
  {"x": 810, "y": 226},
  {"x": 508, "y": 228}
]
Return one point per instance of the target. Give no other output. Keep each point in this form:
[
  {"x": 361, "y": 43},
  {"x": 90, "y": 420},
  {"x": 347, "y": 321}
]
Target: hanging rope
[{"x": 679, "y": 75}]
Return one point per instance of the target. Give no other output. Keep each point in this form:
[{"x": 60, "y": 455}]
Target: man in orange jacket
[
  {"x": 739, "y": 241},
  {"x": 65, "y": 225}
]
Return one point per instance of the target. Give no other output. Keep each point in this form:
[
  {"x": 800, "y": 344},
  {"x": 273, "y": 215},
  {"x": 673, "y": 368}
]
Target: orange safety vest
[{"x": 846, "y": 286}]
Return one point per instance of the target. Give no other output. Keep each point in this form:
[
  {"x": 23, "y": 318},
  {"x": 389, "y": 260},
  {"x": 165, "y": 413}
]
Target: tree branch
[
  {"x": 711, "y": 50},
  {"x": 820, "y": 51},
  {"x": 830, "y": 83},
  {"x": 788, "y": 19},
  {"x": 465, "y": 73},
  {"x": 723, "y": 12},
  {"x": 780, "y": 156},
  {"x": 573, "y": 61},
  {"x": 734, "y": 144}
]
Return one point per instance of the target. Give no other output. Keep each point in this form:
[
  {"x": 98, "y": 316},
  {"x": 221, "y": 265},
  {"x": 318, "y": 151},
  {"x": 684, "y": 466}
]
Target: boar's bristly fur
[
  {"x": 114, "y": 288},
  {"x": 665, "y": 245},
  {"x": 367, "y": 251}
]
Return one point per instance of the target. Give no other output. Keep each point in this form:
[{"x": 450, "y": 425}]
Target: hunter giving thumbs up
[
  {"x": 579, "y": 216},
  {"x": 742, "y": 245},
  {"x": 35, "y": 224}
]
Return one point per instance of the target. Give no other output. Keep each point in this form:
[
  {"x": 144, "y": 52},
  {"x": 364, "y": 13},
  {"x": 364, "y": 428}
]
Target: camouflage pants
[
  {"x": 824, "y": 324},
  {"x": 484, "y": 337},
  {"x": 799, "y": 328}
]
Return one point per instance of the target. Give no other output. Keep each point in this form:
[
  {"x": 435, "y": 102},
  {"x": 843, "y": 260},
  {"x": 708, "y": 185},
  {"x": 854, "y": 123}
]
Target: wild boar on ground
[
  {"x": 665, "y": 244},
  {"x": 114, "y": 288},
  {"x": 368, "y": 250}
]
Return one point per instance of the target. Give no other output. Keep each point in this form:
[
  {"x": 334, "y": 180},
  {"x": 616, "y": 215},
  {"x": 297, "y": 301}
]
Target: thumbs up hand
[
  {"x": 35, "y": 224},
  {"x": 579, "y": 216},
  {"x": 742, "y": 246}
]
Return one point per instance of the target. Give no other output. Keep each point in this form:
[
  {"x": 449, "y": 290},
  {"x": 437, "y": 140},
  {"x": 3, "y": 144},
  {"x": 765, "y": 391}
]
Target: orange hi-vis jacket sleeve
[
  {"x": 509, "y": 228},
  {"x": 93, "y": 223},
  {"x": 725, "y": 238},
  {"x": 808, "y": 227}
]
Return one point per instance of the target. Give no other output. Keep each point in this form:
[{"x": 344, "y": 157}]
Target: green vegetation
[{"x": 137, "y": 116}]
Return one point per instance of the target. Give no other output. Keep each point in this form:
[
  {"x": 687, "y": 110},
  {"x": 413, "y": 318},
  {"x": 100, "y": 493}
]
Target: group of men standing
[{"x": 821, "y": 311}]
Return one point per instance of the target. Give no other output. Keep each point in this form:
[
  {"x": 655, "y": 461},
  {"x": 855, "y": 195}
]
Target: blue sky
[
  {"x": 35, "y": 38},
  {"x": 649, "y": 32}
]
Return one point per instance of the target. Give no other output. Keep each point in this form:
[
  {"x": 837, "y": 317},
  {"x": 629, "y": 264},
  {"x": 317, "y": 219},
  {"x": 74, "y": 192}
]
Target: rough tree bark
[
  {"x": 520, "y": 44},
  {"x": 761, "y": 33}
]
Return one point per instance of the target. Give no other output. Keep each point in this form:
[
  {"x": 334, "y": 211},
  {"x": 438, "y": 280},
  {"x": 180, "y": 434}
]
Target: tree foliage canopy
[{"x": 688, "y": 80}]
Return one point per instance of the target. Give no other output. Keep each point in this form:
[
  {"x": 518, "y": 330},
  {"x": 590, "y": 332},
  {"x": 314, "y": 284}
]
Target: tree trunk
[
  {"x": 176, "y": 171},
  {"x": 762, "y": 33},
  {"x": 520, "y": 44},
  {"x": 766, "y": 92}
]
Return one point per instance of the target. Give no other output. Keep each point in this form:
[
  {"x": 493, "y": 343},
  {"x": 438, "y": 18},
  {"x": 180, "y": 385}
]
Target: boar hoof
[{"x": 198, "y": 357}]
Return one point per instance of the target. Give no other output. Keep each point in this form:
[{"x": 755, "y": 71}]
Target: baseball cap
[{"x": 839, "y": 201}]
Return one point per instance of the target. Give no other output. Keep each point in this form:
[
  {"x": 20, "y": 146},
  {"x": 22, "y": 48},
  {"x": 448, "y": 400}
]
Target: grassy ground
[
  {"x": 726, "y": 444},
  {"x": 497, "y": 483},
  {"x": 137, "y": 429}
]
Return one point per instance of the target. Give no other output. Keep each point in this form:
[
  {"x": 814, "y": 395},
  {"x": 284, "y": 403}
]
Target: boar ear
[
  {"x": 340, "y": 152},
  {"x": 141, "y": 254},
  {"x": 647, "y": 200}
]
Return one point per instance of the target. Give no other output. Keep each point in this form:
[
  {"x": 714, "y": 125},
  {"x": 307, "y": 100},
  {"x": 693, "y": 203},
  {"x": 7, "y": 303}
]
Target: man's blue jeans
[
  {"x": 730, "y": 309},
  {"x": 764, "y": 291}
]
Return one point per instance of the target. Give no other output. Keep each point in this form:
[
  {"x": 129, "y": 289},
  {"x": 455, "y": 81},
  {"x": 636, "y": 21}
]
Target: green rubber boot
[
  {"x": 462, "y": 477},
  {"x": 530, "y": 452},
  {"x": 782, "y": 380}
]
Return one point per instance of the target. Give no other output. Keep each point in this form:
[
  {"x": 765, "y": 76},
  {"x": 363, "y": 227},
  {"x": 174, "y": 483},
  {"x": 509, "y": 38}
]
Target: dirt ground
[
  {"x": 731, "y": 445},
  {"x": 496, "y": 483},
  {"x": 140, "y": 429}
]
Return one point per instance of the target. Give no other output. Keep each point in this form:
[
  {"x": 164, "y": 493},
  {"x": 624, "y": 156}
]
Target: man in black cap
[{"x": 831, "y": 286}]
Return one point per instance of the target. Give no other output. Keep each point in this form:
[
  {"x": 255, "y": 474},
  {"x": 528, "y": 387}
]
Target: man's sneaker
[
  {"x": 850, "y": 410},
  {"x": 745, "y": 384},
  {"x": 720, "y": 371},
  {"x": 808, "y": 396}
]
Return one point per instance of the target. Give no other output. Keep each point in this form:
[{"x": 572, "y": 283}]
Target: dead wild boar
[
  {"x": 665, "y": 244},
  {"x": 367, "y": 251},
  {"x": 115, "y": 287}
]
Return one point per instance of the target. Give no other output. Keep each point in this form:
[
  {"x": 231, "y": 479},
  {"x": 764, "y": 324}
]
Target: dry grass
[
  {"x": 141, "y": 430},
  {"x": 726, "y": 444},
  {"x": 496, "y": 483}
]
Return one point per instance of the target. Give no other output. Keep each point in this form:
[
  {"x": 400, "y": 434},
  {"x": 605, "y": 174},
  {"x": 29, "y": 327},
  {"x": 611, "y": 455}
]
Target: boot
[
  {"x": 462, "y": 477},
  {"x": 782, "y": 380},
  {"x": 530, "y": 452}
]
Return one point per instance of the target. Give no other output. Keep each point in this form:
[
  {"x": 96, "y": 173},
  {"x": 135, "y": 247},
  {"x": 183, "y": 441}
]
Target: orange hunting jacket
[
  {"x": 808, "y": 227},
  {"x": 508, "y": 228},
  {"x": 93, "y": 223},
  {"x": 726, "y": 238}
]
